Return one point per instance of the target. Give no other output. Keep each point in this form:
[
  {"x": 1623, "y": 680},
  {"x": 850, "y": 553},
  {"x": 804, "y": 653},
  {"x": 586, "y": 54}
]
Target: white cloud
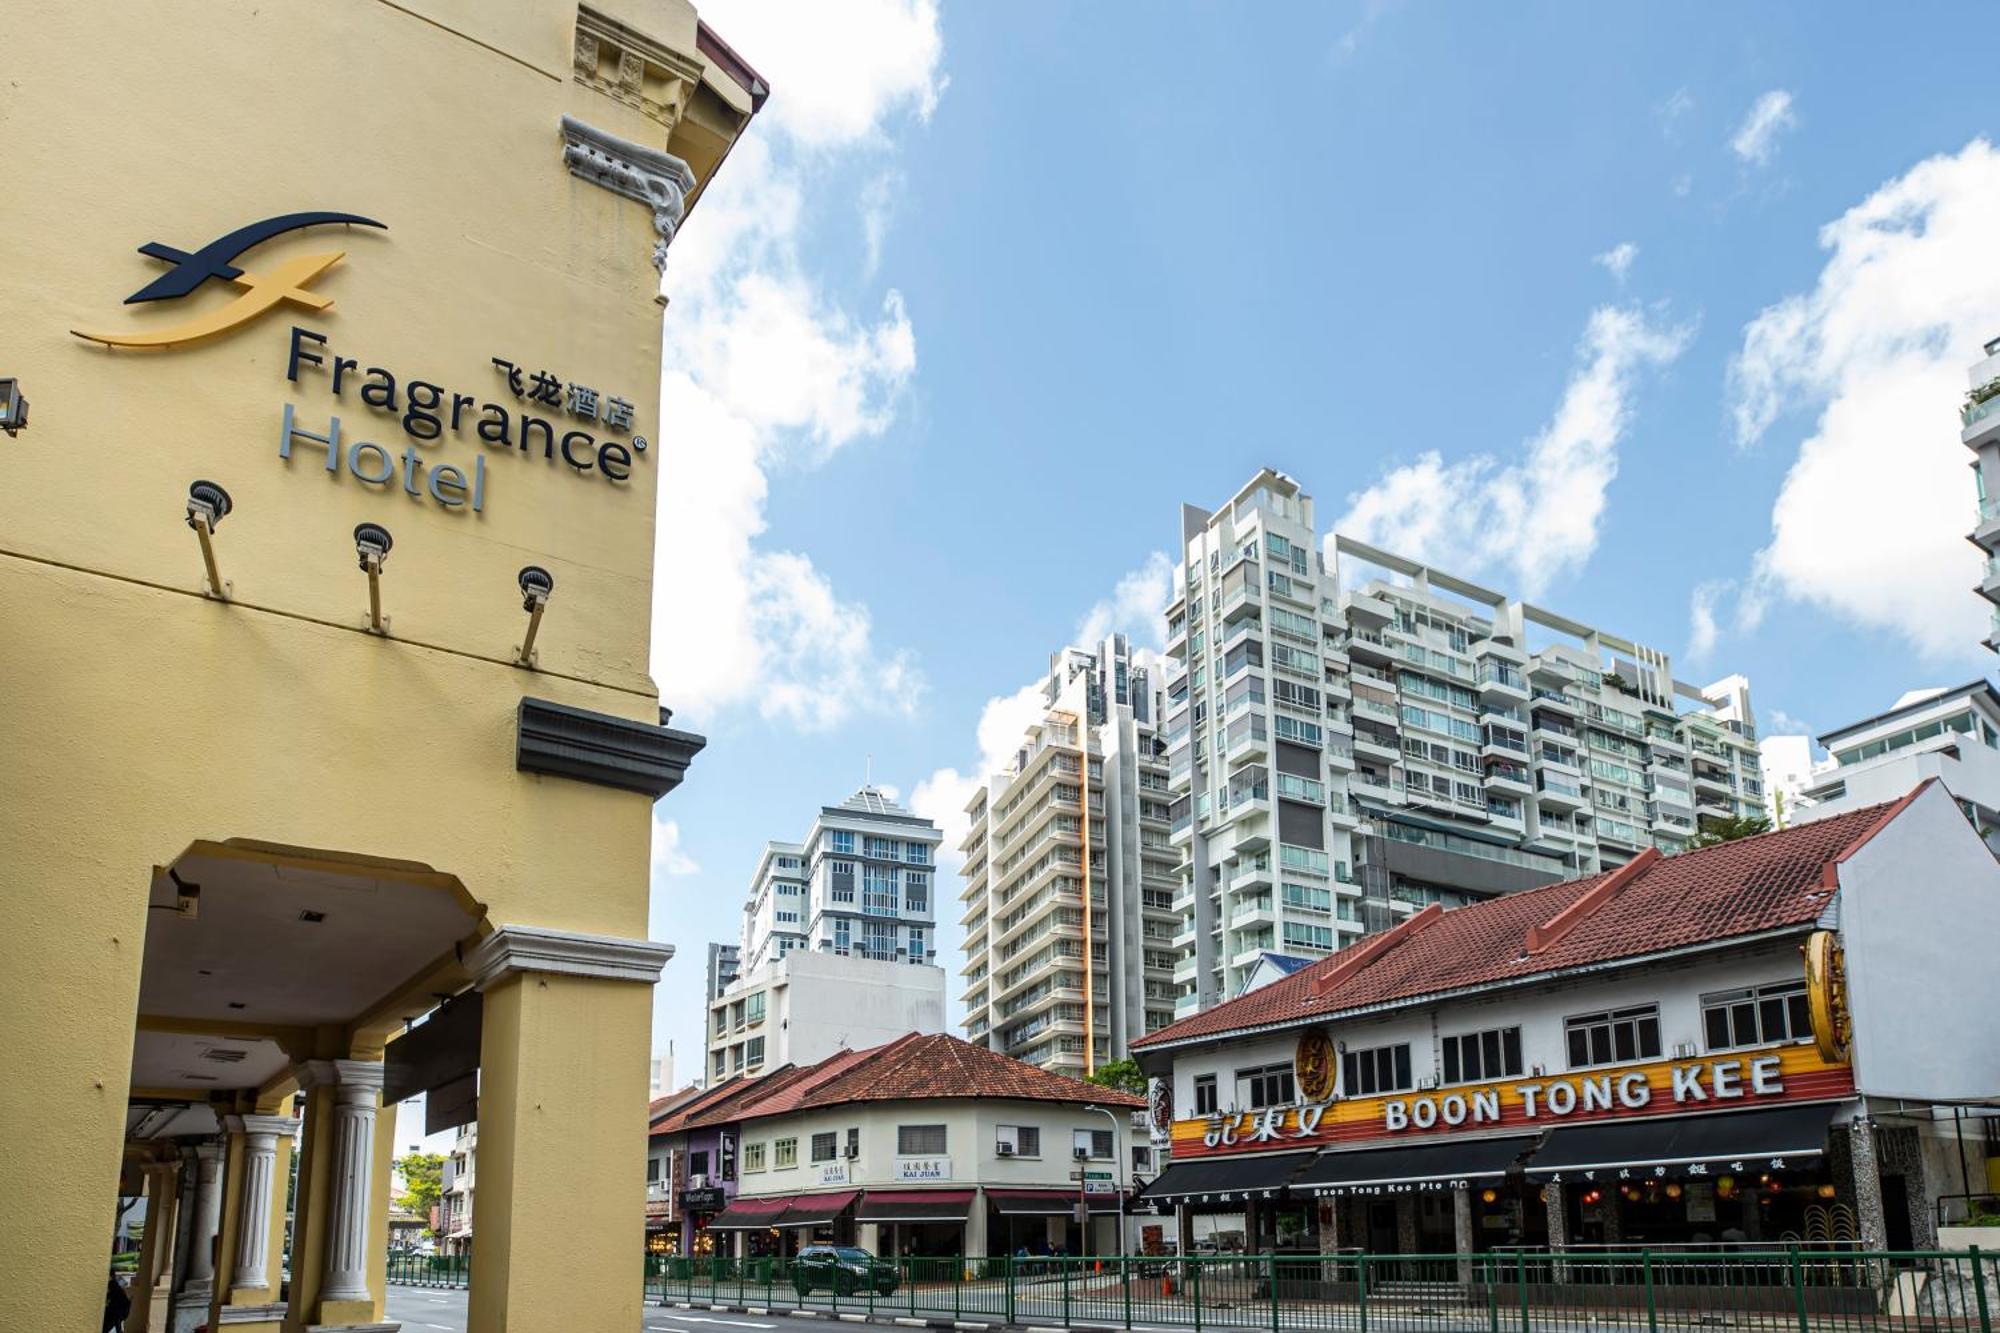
[
  {"x": 1869, "y": 522},
  {"x": 837, "y": 72},
  {"x": 1756, "y": 139},
  {"x": 1670, "y": 111},
  {"x": 668, "y": 858},
  {"x": 1778, "y": 722},
  {"x": 1617, "y": 261},
  {"x": 1535, "y": 517},
  {"x": 1683, "y": 185},
  {"x": 878, "y": 209},
  {"x": 1702, "y": 628},
  {"x": 764, "y": 369},
  {"x": 1135, "y": 608}
]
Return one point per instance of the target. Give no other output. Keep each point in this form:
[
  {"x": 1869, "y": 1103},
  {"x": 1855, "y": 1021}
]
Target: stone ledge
[{"x": 565, "y": 742}]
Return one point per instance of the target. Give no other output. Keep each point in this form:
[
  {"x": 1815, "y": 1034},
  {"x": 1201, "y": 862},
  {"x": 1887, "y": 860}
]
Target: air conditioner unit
[
  {"x": 1003, "y": 1148},
  {"x": 1423, "y": 1084},
  {"x": 1081, "y": 1154},
  {"x": 853, "y": 1151},
  {"x": 1684, "y": 1051},
  {"x": 697, "y": 1182}
]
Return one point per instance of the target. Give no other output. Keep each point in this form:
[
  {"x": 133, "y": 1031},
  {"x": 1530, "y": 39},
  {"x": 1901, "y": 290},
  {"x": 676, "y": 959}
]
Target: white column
[
  {"x": 253, "y": 1237},
  {"x": 356, "y": 1084},
  {"x": 207, "y": 1218}
]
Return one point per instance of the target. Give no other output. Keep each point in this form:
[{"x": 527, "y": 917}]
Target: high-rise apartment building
[
  {"x": 1068, "y": 960},
  {"x": 1979, "y": 419},
  {"x": 725, "y": 961},
  {"x": 859, "y": 889},
  {"x": 1345, "y": 750}
]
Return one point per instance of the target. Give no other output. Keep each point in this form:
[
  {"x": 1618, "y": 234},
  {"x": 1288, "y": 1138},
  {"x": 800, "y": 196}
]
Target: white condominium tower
[
  {"x": 1979, "y": 420},
  {"x": 1345, "y": 752},
  {"x": 1067, "y": 961}
]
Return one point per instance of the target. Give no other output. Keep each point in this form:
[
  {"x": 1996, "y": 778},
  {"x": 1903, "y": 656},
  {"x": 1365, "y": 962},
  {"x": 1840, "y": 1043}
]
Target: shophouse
[
  {"x": 1772, "y": 1039},
  {"x": 328, "y": 560},
  {"x": 925, "y": 1146}
]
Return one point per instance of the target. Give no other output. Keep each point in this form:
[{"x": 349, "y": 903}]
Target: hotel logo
[{"x": 287, "y": 281}]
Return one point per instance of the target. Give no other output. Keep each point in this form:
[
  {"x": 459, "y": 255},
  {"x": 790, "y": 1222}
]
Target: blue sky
[{"x": 990, "y": 292}]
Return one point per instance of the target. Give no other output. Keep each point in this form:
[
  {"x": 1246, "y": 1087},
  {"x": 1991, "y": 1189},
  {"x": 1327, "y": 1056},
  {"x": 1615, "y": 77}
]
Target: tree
[
  {"x": 423, "y": 1183},
  {"x": 1729, "y": 828},
  {"x": 1123, "y": 1075}
]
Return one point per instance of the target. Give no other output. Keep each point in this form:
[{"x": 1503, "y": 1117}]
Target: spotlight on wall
[
  {"x": 372, "y": 542},
  {"x": 208, "y": 504},
  {"x": 536, "y": 585},
  {"x": 13, "y": 407}
]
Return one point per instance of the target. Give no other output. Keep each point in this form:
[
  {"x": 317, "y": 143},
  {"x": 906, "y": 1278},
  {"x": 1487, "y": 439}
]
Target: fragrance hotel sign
[
  {"x": 1766, "y": 1076},
  {"x": 435, "y": 441}
]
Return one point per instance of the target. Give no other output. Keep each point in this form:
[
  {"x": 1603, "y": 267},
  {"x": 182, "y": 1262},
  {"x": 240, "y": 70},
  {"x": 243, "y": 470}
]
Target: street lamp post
[{"x": 1118, "y": 1179}]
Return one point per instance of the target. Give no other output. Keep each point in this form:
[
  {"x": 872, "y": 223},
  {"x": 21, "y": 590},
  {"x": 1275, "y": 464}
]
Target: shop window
[
  {"x": 784, "y": 1153},
  {"x": 1204, "y": 1094},
  {"x": 920, "y": 1140},
  {"x": 1377, "y": 1069},
  {"x": 1268, "y": 1085},
  {"x": 1616, "y": 1037},
  {"x": 826, "y": 1146},
  {"x": 753, "y": 1157},
  {"x": 1759, "y": 1016},
  {"x": 1473, "y": 1057}
]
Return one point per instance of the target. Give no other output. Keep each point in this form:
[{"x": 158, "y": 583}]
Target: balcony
[
  {"x": 1554, "y": 699},
  {"x": 1561, "y": 795},
  {"x": 1979, "y": 419},
  {"x": 1362, "y": 608},
  {"x": 1498, "y": 680},
  {"x": 1369, "y": 646},
  {"x": 1247, "y": 739}
]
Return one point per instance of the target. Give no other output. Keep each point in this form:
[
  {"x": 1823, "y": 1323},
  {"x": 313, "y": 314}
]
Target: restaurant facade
[
  {"x": 328, "y": 561},
  {"x": 926, "y": 1147},
  {"x": 1775, "y": 1040}
]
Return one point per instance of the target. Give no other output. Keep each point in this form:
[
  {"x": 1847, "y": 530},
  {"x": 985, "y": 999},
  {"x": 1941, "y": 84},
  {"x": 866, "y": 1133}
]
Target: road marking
[{"x": 739, "y": 1323}]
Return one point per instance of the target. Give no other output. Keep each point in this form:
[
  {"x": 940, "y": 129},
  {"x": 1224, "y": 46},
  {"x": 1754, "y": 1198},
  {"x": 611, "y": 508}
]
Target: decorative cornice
[
  {"x": 341, "y": 1073},
  {"x": 629, "y": 67},
  {"x": 567, "y": 742},
  {"x": 280, "y": 1126},
  {"x": 658, "y": 180},
  {"x": 512, "y": 949}
]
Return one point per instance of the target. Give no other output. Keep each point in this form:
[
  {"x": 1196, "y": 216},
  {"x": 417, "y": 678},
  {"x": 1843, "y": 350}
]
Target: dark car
[{"x": 842, "y": 1270}]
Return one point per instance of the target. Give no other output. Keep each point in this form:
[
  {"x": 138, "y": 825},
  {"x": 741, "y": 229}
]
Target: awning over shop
[
  {"x": 1223, "y": 1179},
  {"x": 1444, "y": 1164},
  {"x": 915, "y": 1206},
  {"x": 816, "y": 1210},
  {"x": 1046, "y": 1203},
  {"x": 1663, "y": 1147},
  {"x": 751, "y": 1214}
]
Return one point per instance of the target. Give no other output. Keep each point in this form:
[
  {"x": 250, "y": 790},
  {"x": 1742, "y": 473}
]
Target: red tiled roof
[
  {"x": 1745, "y": 887},
  {"x": 915, "y": 1067}
]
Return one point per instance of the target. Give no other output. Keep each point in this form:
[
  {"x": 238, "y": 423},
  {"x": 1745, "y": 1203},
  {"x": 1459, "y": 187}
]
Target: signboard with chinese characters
[
  {"x": 833, "y": 1173},
  {"x": 1765, "y": 1076},
  {"x": 923, "y": 1168}
]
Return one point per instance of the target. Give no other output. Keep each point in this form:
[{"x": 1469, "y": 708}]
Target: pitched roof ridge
[
  {"x": 1829, "y": 874},
  {"x": 1371, "y": 947},
  {"x": 1542, "y": 936}
]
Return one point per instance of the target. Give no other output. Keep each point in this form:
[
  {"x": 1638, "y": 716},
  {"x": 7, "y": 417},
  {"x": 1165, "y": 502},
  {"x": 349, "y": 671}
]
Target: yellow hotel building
[{"x": 327, "y": 567}]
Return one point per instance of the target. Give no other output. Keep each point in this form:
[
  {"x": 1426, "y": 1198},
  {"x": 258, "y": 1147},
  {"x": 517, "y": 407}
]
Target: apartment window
[
  {"x": 653, "y": 1165},
  {"x": 843, "y": 936},
  {"x": 1473, "y": 1056},
  {"x": 878, "y": 890},
  {"x": 1377, "y": 1069},
  {"x": 1102, "y": 1145},
  {"x": 919, "y": 1140},
  {"x": 784, "y": 1153},
  {"x": 885, "y": 848},
  {"x": 840, "y": 840},
  {"x": 755, "y": 1054},
  {"x": 785, "y": 916},
  {"x": 721, "y": 1063},
  {"x": 917, "y": 853},
  {"x": 854, "y": 1141},
  {"x": 1025, "y": 1140},
  {"x": 698, "y": 1163},
  {"x": 916, "y": 889},
  {"x": 1305, "y": 935},
  {"x": 1204, "y": 1095},
  {"x": 826, "y": 1146},
  {"x": 1267, "y": 1085},
  {"x": 754, "y": 1007},
  {"x": 1614, "y": 1037},
  {"x": 1142, "y": 1157},
  {"x": 916, "y": 946},
  {"x": 1756, "y": 1016},
  {"x": 878, "y": 940},
  {"x": 840, "y": 880},
  {"x": 753, "y": 1157}
]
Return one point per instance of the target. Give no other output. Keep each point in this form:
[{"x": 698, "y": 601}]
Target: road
[{"x": 425, "y": 1310}]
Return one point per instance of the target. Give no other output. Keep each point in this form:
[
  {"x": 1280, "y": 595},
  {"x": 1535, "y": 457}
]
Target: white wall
[
  {"x": 1919, "y": 920},
  {"x": 971, "y": 1132},
  {"x": 818, "y": 1004},
  {"x": 1677, "y": 989}
]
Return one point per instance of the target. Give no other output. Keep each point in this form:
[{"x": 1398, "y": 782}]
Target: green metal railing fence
[
  {"x": 430, "y": 1270},
  {"x": 1527, "y": 1291}
]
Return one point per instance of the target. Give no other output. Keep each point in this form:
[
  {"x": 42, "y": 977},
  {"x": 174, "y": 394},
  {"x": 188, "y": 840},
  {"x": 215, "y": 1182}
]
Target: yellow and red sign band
[{"x": 1768, "y": 1075}]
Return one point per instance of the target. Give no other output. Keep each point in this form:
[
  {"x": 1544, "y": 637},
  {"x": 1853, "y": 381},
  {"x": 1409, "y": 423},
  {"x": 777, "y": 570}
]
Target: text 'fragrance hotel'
[{"x": 1344, "y": 751}]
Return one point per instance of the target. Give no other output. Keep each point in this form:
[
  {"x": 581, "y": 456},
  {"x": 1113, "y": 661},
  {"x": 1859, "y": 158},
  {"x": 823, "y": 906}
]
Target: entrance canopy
[
  {"x": 915, "y": 1206},
  {"x": 751, "y": 1214},
  {"x": 1046, "y": 1203},
  {"x": 1445, "y": 1164},
  {"x": 816, "y": 1210},
  {"x": 1692, "y": 1145},
  {"x": 1220, "y": 1179}
]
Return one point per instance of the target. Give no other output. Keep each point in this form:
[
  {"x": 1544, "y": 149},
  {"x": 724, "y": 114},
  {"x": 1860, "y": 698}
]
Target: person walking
[{"x": 117, "y": 1304}]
